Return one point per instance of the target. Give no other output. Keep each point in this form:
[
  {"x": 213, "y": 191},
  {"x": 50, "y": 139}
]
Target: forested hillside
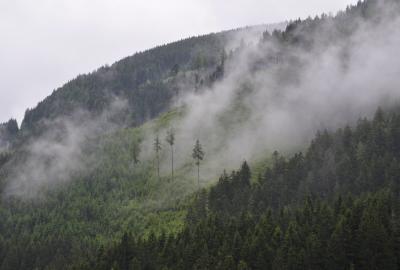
[
  {"x": 147, "y": 80},
  {"x": 118, "y": 169},
  {"x": 72, "y": 180},
  {"x": 142, "y": 79},
  {"x": 61, "y": 223},
  {"x": 8, "y": 133},
  {"x": 73, "y": 177},
  {"x": 335, "y": 206}
]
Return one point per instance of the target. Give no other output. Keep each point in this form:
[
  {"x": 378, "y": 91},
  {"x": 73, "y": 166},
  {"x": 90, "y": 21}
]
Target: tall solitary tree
[
  {"x": 171, "y": 141},
  {"x": 157, "y": 149},
  {"x": 135, "y": 153},
  {"x": 198, "y": 156}
]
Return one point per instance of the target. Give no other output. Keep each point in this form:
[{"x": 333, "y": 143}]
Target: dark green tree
[{"x": 198, "y": 155}]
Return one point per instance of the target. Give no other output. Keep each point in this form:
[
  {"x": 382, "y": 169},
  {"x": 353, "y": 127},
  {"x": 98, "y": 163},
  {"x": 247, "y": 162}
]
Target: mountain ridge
[{"x": 63, "y": 98}]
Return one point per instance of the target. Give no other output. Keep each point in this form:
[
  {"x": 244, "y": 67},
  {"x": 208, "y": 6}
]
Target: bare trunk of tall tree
[
  {"x": 198, "y": 175},
  {"x": 172, "y": 162},
  {"x": 158, "y": 167}
]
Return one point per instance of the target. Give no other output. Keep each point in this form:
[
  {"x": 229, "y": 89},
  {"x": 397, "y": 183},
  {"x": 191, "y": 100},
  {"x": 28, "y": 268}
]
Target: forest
[
  {"x": 244, "y": 149},
  {"x": 335, "y": 206}
]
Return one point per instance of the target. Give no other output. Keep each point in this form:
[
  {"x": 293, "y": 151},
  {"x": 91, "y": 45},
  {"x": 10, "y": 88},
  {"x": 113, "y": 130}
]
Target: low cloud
[
  {"x": 273, "y": 97},
  {"x": 61, "y": 153},
  {"x": 276, "y": 97}
]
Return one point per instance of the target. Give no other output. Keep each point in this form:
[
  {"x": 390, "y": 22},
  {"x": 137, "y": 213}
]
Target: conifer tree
[
  {"x": 157, "y": 149},
  {"x": 171, "y": 141},
  {"x": 198, "y": 156},
  {"x": 135, "y": 153}
]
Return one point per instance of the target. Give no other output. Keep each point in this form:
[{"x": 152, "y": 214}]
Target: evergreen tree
[
  {"x": 198, "y": 156},
  {"x": 135, "y": 153},
  {"x": 157, "y": 149},
  {"x": 171, "y": 141}
]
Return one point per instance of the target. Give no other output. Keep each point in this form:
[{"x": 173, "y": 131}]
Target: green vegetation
[
  {"x": 157, "y": 149},
  {"x": 198, "y": 155},
  {"x": 147, "y": 81},
  {"x": 336, "y": 206},
  {"x": 170, "y": 139},
  {"x": 68, "y": 223}
]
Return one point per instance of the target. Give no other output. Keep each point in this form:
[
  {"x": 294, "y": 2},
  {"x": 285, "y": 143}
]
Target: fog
[
  {"x": 63, "y": 152},
  {"x": 272, "y": 97},
  {"x": 254, "y": 111}
]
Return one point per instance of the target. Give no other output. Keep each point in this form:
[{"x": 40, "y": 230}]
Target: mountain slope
[
  {"x": 148, "y": 80},
  {"x": 336, "y": 206},
  {"x": 82, "y": 171},
  {"x": 67, "y": 221}
]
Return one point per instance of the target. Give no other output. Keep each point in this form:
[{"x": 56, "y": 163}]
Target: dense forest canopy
[
  {"x": 118, "y": 169},
  {"x": 336, "y": 206}
]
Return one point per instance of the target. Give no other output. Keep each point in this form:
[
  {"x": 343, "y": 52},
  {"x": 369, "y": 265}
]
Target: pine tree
[
  {"x": 245, "y": 175},
  {"x": 376, "y": 251},
  {"x": 198, "y": 156},
  {"x": 171, "y": 141},
  {"x": 157, "y": 149}
]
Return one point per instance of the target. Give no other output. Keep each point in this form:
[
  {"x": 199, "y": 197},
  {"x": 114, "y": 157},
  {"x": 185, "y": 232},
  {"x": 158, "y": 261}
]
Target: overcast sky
[{"x": 45, "y": 43}]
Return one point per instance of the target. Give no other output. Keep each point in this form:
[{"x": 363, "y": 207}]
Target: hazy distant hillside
[
  {"x": 148, "y": 80},
  {"x": 8, "y": 131}
]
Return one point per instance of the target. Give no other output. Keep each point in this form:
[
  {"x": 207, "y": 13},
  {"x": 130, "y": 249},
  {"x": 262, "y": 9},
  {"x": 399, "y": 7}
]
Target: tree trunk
[
  {"x": 172, "y": 162},
  {"x": 158, "y": 167},
  {"x": 198, "y": 175}
]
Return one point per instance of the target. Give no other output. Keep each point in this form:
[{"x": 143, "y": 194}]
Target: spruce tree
[
  {"x": 157, "y": 149},
  {"x": 198, "y": 156},
  {"x": 171, "y": 141}
]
